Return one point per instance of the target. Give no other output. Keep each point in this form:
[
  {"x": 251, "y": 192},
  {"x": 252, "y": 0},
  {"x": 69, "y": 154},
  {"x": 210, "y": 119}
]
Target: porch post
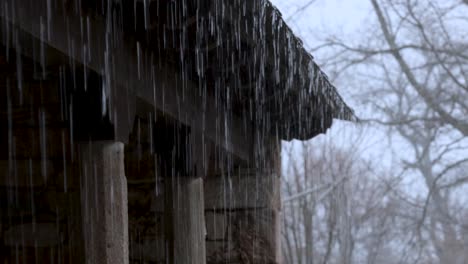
[
  {"x": 188, "y": 220},
  {"x": 243, "y": 212},
  {"x": 104, "y": 202}
]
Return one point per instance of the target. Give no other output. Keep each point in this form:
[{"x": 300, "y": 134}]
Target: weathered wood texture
[
  {"x": 33, "y": 235},
  {"x": 188, "y": 221},
  {"x": 147, "y": 241},
  {"x": 242, "y": 218},
  {"x": 40, "y": 204},
  {"x": 104, "y": 202},
  {"x": 241, "y": 191},
  {"x": 130, "y": 76}
]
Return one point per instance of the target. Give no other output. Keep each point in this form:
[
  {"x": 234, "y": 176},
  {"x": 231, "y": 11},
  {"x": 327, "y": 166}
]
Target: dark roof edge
[{"x": 340, "y": 109}]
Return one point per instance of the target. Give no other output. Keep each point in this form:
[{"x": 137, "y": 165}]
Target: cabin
[{"x": 144, "y": 131}]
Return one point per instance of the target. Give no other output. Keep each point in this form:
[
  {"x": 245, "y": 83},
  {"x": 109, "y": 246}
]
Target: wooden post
[
  {"x": 104, "y": 202},
  {"x": 243, "y": 212},
  {"x": 188, "y": 220}
]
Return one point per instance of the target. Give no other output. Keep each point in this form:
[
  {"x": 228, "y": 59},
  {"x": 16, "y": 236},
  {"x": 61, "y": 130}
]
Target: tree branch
[{"x": 390, "y": 39}]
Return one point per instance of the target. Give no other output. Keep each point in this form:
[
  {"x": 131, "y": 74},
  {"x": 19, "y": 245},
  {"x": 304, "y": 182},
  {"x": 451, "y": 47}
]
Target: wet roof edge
[{"x": 340, "y": 109}]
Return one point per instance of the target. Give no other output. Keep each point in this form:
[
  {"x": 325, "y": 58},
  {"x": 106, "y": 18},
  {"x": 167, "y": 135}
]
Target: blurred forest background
[{"x": 392, "y": 188}]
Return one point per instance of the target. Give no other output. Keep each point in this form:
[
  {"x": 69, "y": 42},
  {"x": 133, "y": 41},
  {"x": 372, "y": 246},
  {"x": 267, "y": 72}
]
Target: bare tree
[
  {"x": 335, "y": 209},
  {"x": 426, "y": 42},
  {"x": 415, "y": 64},
  {"x": 412, "y": 66}
]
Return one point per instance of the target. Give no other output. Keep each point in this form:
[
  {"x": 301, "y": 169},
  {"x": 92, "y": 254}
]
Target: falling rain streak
[{"x": 149, "y": 131}]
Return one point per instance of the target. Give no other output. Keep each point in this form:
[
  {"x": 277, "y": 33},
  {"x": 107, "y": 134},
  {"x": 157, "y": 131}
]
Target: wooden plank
[
  {"x": 244, "y": 209},
  {"x": 241, "y": 191},
  {"x": 76, "y": 244},
  {"x": 25, "y": 173},
  {"x": 28, "y": 115},
  {"x": 149, "y": 250},
  {"x": 33, "y": 235},
  {"x": 129, "y": 70},
  {"x": 252, "y": 236},
  {"x": 36, "y": 143}
]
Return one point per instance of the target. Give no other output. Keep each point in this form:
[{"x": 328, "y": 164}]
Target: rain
[{"x": 144, "y": 131}]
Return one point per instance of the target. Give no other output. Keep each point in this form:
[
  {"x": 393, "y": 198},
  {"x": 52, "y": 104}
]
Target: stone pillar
[
  {"x": 104, "y": 202},
  {"x": 188, "y": 220}
]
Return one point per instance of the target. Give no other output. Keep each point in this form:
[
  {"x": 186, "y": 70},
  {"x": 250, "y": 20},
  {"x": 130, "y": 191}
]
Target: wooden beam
[{"x": 129, "y": 71}]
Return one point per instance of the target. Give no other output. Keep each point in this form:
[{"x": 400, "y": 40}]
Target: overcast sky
[{"x": 340, "y": 16}]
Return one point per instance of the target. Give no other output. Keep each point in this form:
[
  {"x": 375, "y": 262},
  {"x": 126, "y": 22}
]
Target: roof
[
  {"x": 311, "y": 101},
  {"x": 252, "y": 51},
  {"x": 239, "y": 54},
  {"x": 291, "y": 92}
]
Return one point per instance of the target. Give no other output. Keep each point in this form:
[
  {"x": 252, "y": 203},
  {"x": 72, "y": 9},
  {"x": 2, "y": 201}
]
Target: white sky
[
  {"x": 347, "y": 19},
  {"x": 340, "y": 16},
  {"x": 344, "y": 18}
]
